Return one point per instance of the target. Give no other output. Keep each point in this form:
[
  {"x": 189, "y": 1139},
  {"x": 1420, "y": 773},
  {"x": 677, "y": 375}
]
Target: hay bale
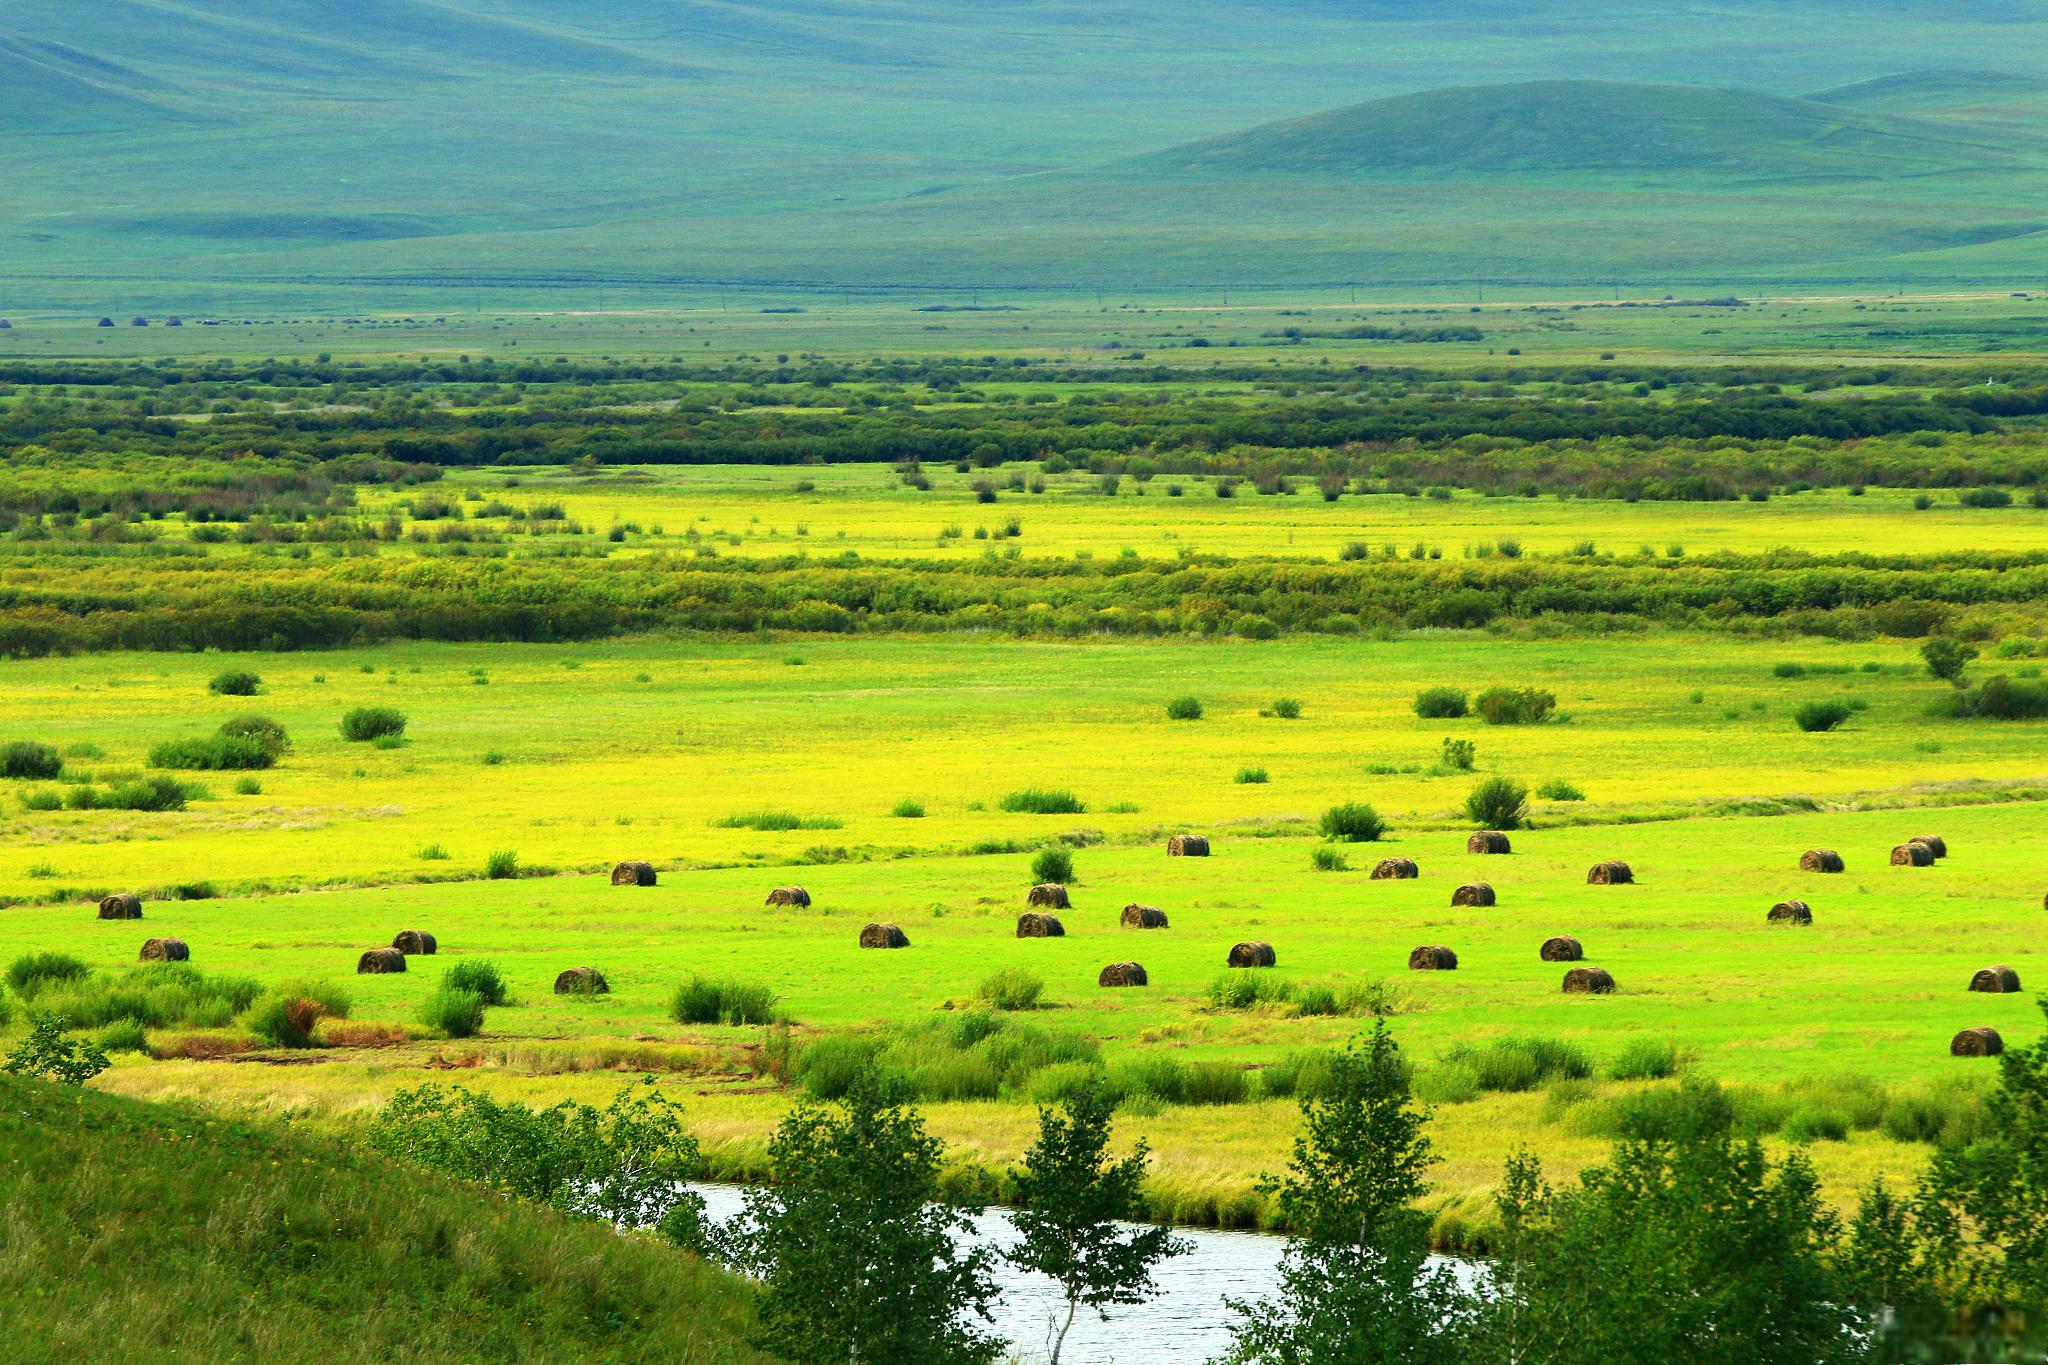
[
  {"x": 1610, "y": 874},
  {"x": 1588, "y": 981},
  {"x": 1995, "y": 981},
  {"x": 883, "y": 936},
  {"x": 794, "y": 896},
  {"x": 1473, "y": 893},
  {"x": 416, "y": 943},
  {"x": 1395, "y": 870},
  {"x": 1138, "y": 916},
  {"x": 1123, "y": 974},
  {"x": 1563, "y": 948},
  {"x": 1912, "y": 855},
  {"x": 1251, "y": 954},
  {"x": 633, "y": 874},
  {"x": 1037, "y": 924},
  {"x": 1433, "y": 958},
  {"x": 1820, "y": 860},
  {"x": 582, "y": 981},
  {"x": 1791, "y": 912},
  {"x": 1049, "y": 896},
  {"x": 379, "y": 961},
  {"x": 121, "y": 905},
  {"x": 1976, "y": 1042},
  {"x": 1187, "y": 846},
  {"x": 1934, "y": 842},
  {"x": 1488, "y": 841},
  {"x": 166, "y": 950}
]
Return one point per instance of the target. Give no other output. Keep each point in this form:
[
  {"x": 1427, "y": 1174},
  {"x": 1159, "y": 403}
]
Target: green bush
[
  {"x": 774, "y": 820},
  {"x": 1516, "y": 1064},
  {"x": 1285, "y": 708},
  {"x": 248, "y": 786},
  {"x": 907, "y": 809},
  {"x": 124, "y": 1035},
  {"x": 502, "y": 866},
  {"x": 1441, "y": 703},
  {"x": 155, "y": 793},
  {"x": 1515, "y": 705},
  {"x": 212, "y": 753},
  {"x": 482, "y": 978},
  {"x": 1041, "y": 801},
  {"x": 1251, "y": 777},
  {"x": 30, "y": 972},
  {"x": 366, "y": 723},
  {"x": 1557, "y": 789},
  {"x": 25, "y": 758},
  {"x": 705, "y": 1000},
  {"x": 1324, "y": 858},
  {"x": 1498, "y": 803},
  {"x": 159, "y": 995},
  {"x": 262, "y": 730},
  {"x": 1012, "y": 988},
  {"x": 1816, "y": 716},
  {"x": 235, "y": 683},
  {"x": 1242, "y": 990},
  {"x": 1458, "y": 755},
  {"x": 1809, "y": 1124},
  {"x": 43, "y": 798},
  {"x": 1645, "y": 1059},
  {"x": 1788, "y": 670},
  {"x": 1354, "y": 822},
  {"x": 1184, "y": 708},
  {"x": 1053, "y": 865},
  {"x": 2002, "y": 698},
  {"x": 453, "y": 1011}
]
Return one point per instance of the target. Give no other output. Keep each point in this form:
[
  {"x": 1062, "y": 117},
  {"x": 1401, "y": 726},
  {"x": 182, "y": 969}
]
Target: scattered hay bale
[
  {"x": 1612, "y": 873},
  {"x": 1433, "y": 958},
  {"x": 121, "y": 905},
  {"x": 1473, "y": 893},
  {"x": 1123, "y": 974},
  {"x": 794, "y": 896},
  {"x": 582, "y": 981},
  {"x": 1563, "y": 948},
  {"x": 1995, "y": 981},
  {"x": 1395, "y": 870},
  {"x": 1934, "y": 842},
  {"x": 633, "y": 874},
  {"x": 166, "y": 950},
  {"x": 1820, "y": 860},
  {"x": 1912, "y": 855},
  {"x": 1138, "y": 916},
  {"x": 1049, "y": 896},
  {"x": 1488, "y": 841},
  {"x": 379, "y": 961},
  {"x": 1251, "y": 954},
  {"x": 883, "y": 936},
  {"x": 1036, "y": 924},
  {"x": 1976, "y": 1042},
  {"x": 1791, "y": 912},
  {"x": 1588, "y": 981},
  {"x": 416, "y": 943},
  {"x": 1187, "y": 846}
]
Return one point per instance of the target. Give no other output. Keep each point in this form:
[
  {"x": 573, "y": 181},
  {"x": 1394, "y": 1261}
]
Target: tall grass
[
  {"x": 770, "y": 820},
  {"x": 1042, "y": 801},
  {"x": 709, "y": 1000}
]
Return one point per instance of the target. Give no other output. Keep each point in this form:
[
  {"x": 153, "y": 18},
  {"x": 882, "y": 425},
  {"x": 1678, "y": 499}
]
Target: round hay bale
[
  {"x": 883, "y": 936},
  {"x": 1037, "y": 924},
  {"x": 1433, "y": 958},
  {"x": 166, "y": 950},
  {"x": 1138, "y": 916},
  {"x": 1912, "y": 855},
  {"x": 1395, "y": 870},
  {"x": 379, "y": 961},
  {"x": 1251, "y": 954},
  {"x": 1937, "y": 844},
  {"x": 1473, "y": 893},
  {"x": 582, "y": 981},
  {"x": 1995, "y": 981},
  {"x": 633, "y": 874},
  {"x": 790, "y": 895},
  {"x": 1613, "y": 873},
  {"x": 1187, "y": 846},
  {"x": 1791, "y": 912},
  {"x": 1488, "y": 841},
  {"x": 1563, "y": 948},
  {"x": 1588, "y": 981},
  {"x": 1049, "y": 896},
  {"x": 121, "y": 905},
  {"x": 416, "y": 943},
  {"x": 1123, "y": 974},
  {"x": 1976, "y": 1042},
  {"x": 1820, "y": 860}
]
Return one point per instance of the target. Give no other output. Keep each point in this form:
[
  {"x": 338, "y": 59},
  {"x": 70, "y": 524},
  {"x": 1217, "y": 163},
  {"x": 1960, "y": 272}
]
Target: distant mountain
[{"x": 1921, "y": 90}]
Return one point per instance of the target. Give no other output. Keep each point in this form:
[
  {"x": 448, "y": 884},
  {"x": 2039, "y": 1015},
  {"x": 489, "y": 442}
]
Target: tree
[
  {"x": 47, "y": 1053},
  {"x": 1074, "y": 1199},
  {"x": 1946, "y": 658},
  {"x": 1356, "y": 1287},
  {"x": 856, "y": 1255}
]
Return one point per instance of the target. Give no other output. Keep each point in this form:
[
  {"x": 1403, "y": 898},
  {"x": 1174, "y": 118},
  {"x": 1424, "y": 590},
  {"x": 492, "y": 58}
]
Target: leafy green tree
[
  {"x": 1946, "y": 658},
  {"x": 1076, "y": 1202},
  {"x": 48, "y": 1053},
  {"x": 1356, "y": 1286},
  {"x": 856, "y": 1254}
]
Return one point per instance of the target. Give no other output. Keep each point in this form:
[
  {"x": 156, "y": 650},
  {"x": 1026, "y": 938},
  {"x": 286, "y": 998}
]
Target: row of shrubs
[{"x": 1495, "y": 706}]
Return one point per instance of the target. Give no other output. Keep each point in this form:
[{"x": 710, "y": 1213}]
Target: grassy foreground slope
[{"x": 143, "y": 1232}]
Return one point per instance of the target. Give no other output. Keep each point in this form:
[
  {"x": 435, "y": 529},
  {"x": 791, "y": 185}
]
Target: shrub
[
  {"x": 43, "y": 798},
  {"x": 483, "y": 978},
  {"x": 1498, "y": 803},
  {"x": 1039, "y": 801},
  {"x": 704, "y": 1000},
  {"x": 1184, "y": 708},
  {"x": 159, "y": 995},
  {"x": 1788, "y": 670},
  {"x": 1324, "y": 858},
  {"x": 1441, "y": 703},
  {"x": 235, "y": 683},
  {"x": 1816, "y": 716},
  {"x": 1984, "y": 497},
  {"x": 1242, "y": 990},
  {"x": 47, "y": 1053},
  {"x": 1459, "y": 755},
  {"x": 158, "y": 793},
  {"x": 1811, "y": 1124},
  {"x": 261, "y": 729},
  {"x": 1053, "y": 865},
  {"x": 1644, "y": 1059},
  {"x": 1515, "y": 1064},
  {"x": 1251, "y": 777},
  {"x": 2002, "y": 698},
  {"x": 1515, "y": 705},
  {"x": 502, "y": 865},
  {"x": 366, "y": 723},
  {"x": 453, "y": 1011},
  {"x": 1557, "y": 789},
  {"x": 773, "y": 820},
  {"x": 30, "y": 972},
  {"x": 27, "y": 759},
  {"x": 123, "y": 1035},
  {"x": 907, "y": 809},
  {"x": 1012, "y": 988},
  {"x": 1354, "y": 822},
  {"x": 284, "y": 1018},
  {"x": 211, "y": 753},
  {"x": 1286, "y": 708}
]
